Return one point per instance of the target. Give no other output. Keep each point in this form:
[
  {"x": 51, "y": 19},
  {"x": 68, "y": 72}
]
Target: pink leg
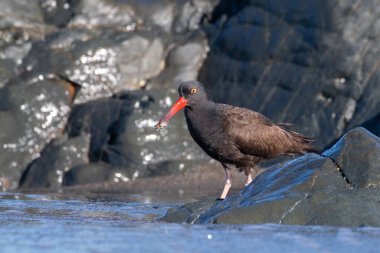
[
  {"x": 228, "y": 182},
  {"x": 248, "y": 174}
]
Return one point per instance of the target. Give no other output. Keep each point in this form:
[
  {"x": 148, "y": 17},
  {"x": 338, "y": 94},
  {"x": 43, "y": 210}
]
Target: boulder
[
  {"x": 58, "y": 12},
  {"x": 101, "y": 63},
  {"x": 168, "y": 16},
  {"x": 31, "y": 115},
  {"x": 311, "y": 63},
  {"x": 338, "y": 188},
  {"x": 357, "y": 155},
  {"x": 22, "y": 20},
  {"x": 57, "y": 158}
]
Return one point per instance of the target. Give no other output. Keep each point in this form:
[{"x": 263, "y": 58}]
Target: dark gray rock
[
  {"x": 31, "y": 115},
  {"x": 22, "y": 20},
  {"x": 58, "y": 12},
  {"x": 169, "y": 16},
  {"x": 189, "y": 212},
  {"x": 58, "y": 157},
  {"x": 88, "y": 174},
  {"x": 311, "y": 63},
  {"x": 182, "y": 62},
  {"x": 102, "y": 63},
  {"x": 357, "y": 154},
  {"x": 309, "y": 190}
]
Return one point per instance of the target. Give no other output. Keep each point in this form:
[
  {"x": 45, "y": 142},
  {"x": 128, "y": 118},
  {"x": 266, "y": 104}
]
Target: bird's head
[
  {"x": 190, "y": 93},
  {"x": 193, "y": 92}
]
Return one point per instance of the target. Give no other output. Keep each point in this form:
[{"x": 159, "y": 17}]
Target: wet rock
[
  {"x": 103, "y": 14},
  {"x": 101, "y": 63},
  {"x": 19, "y": 13},
  {"x": 58, "y": 12},
  {"x": 311, "y": 63},
  {"x": 31, "y": 115},
  {"x": 175, "y": 16},
  {"x": 309, "y": 190},
  {"x": 58, "y": 157},
  {"x": 189, "y": 212},
  {"x": 22, "y": 20},
  {"x": 88, "y": 174},
  {"x": 7, "y": 71},
  {"x": 182, "y": 62},
  {"x": 357, "y": 154}
]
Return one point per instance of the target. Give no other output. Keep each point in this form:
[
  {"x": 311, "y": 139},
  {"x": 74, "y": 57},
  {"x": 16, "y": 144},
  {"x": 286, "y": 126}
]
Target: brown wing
[{"x": 253, "y": 133}]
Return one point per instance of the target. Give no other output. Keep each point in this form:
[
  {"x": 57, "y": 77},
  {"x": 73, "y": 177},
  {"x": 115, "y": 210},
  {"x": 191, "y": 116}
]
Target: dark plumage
[{"x": 234, "y": 135}]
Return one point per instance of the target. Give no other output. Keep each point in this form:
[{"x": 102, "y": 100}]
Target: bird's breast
[{"x": 206, "y": 132}]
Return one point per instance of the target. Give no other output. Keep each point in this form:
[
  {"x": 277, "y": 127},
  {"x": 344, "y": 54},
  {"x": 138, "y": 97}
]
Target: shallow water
[{"x": 116, "y": 223}]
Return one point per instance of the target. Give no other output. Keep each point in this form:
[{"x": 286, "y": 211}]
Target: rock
[
  {"x": 309, "y": 190},
  {"x": 169, "y": 16},
  {"x": 122, "y": 134},
  {"x": 88, "y": 174},
  {"x": 311, "y": 63},
  {"x": 189, "y": 212},
  {"x": 31, "y": 115},
  {"x": 58, "y": 12},
  {"x": 101, "y": 64},
  {"x": 357, "y": 154},
  {"x": 7, "y": 71},
  {"x": 58, "y": 157},
  {"x": 22, "y": 20},
  {"x": 182, "y": 63}
]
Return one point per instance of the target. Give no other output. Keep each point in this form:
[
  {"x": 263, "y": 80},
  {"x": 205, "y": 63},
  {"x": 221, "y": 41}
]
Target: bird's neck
[
  {"x": 199, "y": 110},
  {"x": 201, "y": 115}
]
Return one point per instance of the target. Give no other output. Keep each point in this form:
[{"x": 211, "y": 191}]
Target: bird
[{"x": 234, "y": 136}]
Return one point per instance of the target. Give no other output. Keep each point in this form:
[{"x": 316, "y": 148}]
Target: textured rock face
[
  {"x": 311, "y": 63},
  {"x": 30, "y": 116},
  {"x": 358, "y": 156},
  {"x": 339, "y": 188}
]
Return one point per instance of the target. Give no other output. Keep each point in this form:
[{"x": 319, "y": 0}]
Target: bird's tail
[{"x": 301, "y": 143}]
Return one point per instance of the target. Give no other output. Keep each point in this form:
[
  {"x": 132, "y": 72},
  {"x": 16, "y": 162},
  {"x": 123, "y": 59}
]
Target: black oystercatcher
[{"x": 233, "y": 135}]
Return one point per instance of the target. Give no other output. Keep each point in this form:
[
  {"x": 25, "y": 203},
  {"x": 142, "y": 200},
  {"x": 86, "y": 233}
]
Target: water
[{"x": 117, "y": 223}]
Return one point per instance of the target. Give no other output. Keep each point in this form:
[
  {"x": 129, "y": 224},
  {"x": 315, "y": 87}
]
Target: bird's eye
[{"x": 193, "y": 91}]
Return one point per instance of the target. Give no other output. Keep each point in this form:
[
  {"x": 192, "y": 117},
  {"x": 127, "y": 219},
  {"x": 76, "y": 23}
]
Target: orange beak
[{"x": 180, "y": 104}]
